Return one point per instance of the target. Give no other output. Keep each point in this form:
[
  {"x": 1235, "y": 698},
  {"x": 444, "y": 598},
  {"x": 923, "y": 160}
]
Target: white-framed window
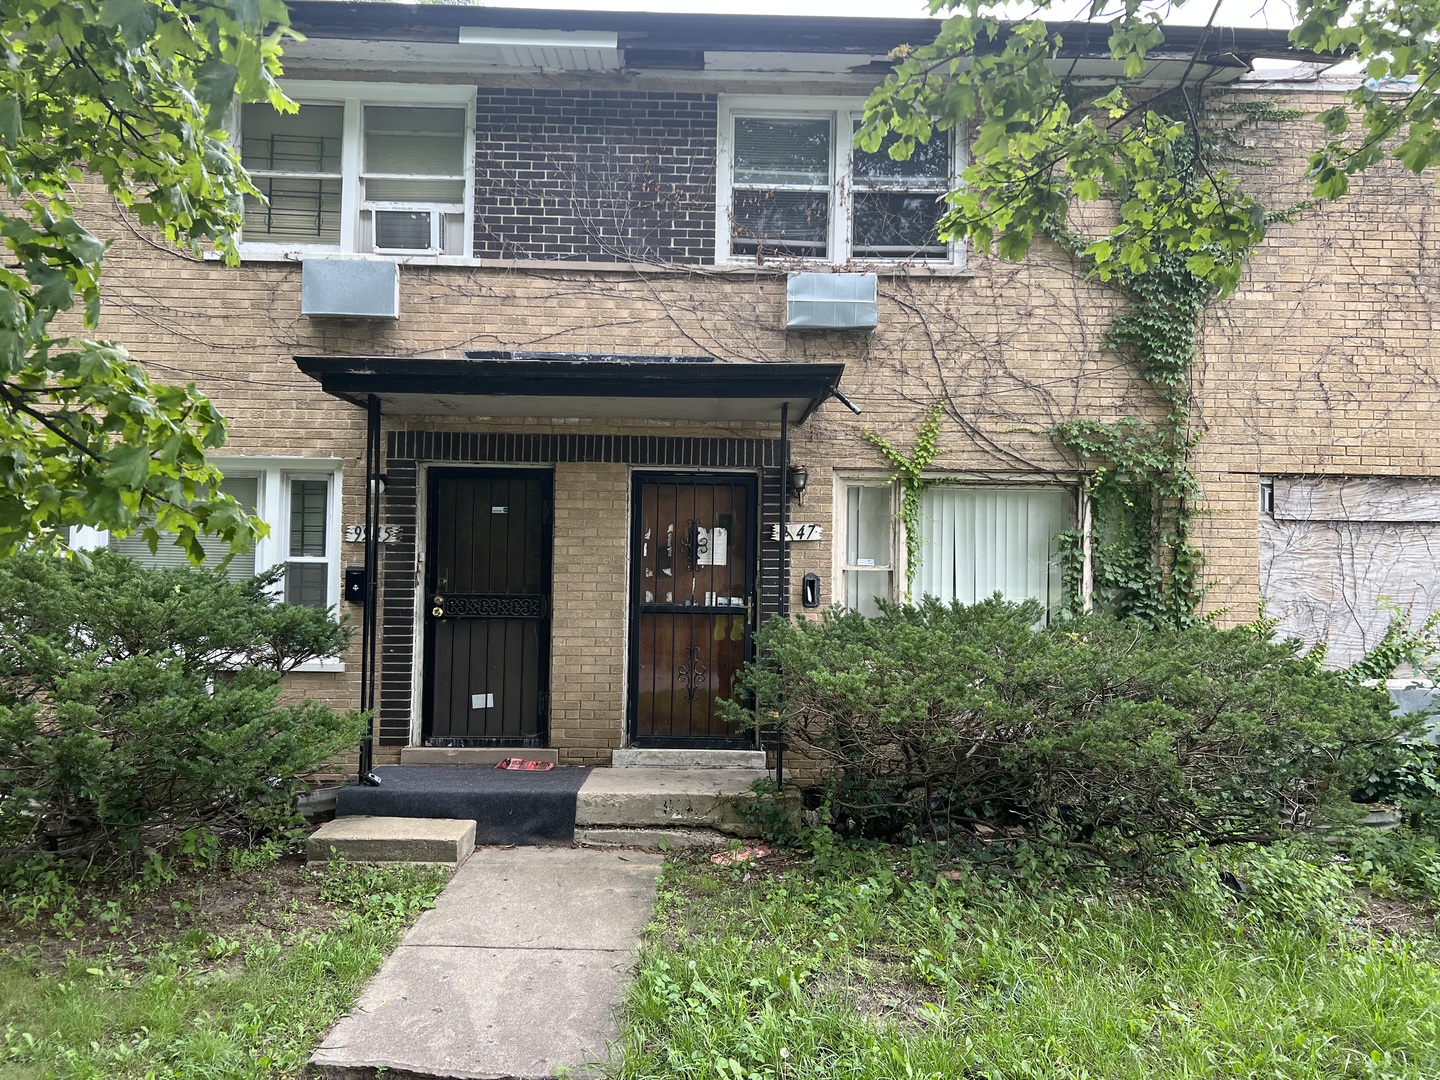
[
  {"x": 360, "y": 168},
  {"x": 976, "y": 539},
  {"x": 299, "y": 498},
  {"x": 869, "y": 549},
  {"x": 791, "y": 184}
]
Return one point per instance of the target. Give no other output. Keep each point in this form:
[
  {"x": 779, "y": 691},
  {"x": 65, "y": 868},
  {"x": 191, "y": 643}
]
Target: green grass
[
  {"x": 869, "y": 971},
  {"x": 215, "y": 993}
]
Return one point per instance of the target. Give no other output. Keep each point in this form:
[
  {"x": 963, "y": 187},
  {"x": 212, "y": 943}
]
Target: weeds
[
  {"x": 884, "y": 963},
  {"x": 245, "y": 999}
]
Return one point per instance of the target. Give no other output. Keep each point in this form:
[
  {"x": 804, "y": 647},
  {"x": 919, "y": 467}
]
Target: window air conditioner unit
[
  {"x": 392, "y": 228},
  {"x": 350, "y": 288},
  {"x": 831, "y": 302}
]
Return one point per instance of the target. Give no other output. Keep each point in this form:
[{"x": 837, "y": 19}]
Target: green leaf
[
  {"x": 129, "y": 467},
  {"x": 11, "y": 121},
  {"x": 134, "y": 19},
  {"x": 215, "y": 84}
]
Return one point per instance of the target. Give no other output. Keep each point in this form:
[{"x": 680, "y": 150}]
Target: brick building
[{"x": 598, "y": 295}]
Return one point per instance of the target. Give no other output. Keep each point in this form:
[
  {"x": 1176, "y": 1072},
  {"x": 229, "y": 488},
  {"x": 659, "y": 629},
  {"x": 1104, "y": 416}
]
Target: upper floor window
[
  {"x": 377, "y": 168},
  {"x": 792, "y": 184}
]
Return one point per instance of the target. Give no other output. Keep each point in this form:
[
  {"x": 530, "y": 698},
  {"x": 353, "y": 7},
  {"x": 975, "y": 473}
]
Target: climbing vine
[
  {"x": 1143, "y": 494},
  {"x": 909, "y": 473}
]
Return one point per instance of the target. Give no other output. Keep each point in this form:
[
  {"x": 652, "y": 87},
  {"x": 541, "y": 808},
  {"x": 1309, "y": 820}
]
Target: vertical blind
[
  {"x": 245, "y": 491},
  {"x": 981, "y": 540}
]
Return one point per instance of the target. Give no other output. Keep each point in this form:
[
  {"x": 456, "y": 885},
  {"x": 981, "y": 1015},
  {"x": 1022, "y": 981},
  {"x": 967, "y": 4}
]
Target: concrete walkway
[{"x": 517, "y": 972}]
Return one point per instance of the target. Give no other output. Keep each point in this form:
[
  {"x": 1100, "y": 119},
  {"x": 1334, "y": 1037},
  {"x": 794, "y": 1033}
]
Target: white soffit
[
  {"x": 548, "y": 50},
  {"x": 800, "y": 63}
]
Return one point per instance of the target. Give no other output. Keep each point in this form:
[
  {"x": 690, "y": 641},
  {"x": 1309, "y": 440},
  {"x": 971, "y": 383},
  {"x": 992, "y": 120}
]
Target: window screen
[
  {"x": 294, "y": 160},
  {"x": 406, "y": 145},
  {"x": 898, "y": 204},
  {"x": 979, "y": 541},
  {"x": 782, "y": 186},
  {"x": 307, "y": 571},
  {"x": 245, "y": 491}
]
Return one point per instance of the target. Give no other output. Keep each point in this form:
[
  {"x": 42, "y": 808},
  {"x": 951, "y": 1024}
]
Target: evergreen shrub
[
  {"x": 940, "y": 721},
  {"x": 138, "y": 705}
]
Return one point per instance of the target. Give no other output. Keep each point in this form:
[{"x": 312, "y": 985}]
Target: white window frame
[
  {"x": 842, "y": 112},
  {"x": 354, "y": 96},
  {"x": 840, "y": 534},
  {"x": 898, "y": 547},
  {"x": 273, "y": 507}
]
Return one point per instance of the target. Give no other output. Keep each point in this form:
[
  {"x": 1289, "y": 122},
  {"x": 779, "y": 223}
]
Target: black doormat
[{"x": 507, "y": 807}]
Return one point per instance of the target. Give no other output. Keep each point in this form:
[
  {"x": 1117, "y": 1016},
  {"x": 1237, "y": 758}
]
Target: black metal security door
[
  {"x": 692, "y": 605},
  {"x": 487, "y": 603}
]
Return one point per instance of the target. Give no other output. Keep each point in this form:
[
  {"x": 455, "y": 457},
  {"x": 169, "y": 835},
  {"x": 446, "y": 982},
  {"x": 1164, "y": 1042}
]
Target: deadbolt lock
[{"x": 438, "y": 612}]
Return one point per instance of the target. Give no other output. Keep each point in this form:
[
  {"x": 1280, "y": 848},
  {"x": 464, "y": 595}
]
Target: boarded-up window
[{"x": 1337, "y": 555}]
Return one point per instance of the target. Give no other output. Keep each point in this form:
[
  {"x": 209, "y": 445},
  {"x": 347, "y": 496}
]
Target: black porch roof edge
[{"x": 354, "y": 378}]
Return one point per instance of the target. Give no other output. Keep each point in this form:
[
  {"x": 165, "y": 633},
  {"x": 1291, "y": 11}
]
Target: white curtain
[{"x": 977, "y": 541}]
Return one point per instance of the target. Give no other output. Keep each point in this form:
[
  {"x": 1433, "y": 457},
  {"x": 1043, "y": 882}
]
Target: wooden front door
[
  {"x": 487, "y": 605},
  {"x": 692, "y": 603}
]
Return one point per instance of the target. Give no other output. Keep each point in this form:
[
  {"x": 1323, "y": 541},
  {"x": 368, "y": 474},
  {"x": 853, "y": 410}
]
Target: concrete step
[
  {"x": 663, "y": 839},
  {"x": 666, "y": 799},
  {"x": 392, "y": 840},
  {"x": 632, "y": 757},
  {"x": 473, "y": 755}
]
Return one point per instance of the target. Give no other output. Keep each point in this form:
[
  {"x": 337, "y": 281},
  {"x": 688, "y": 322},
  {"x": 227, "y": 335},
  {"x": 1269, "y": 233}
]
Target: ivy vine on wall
[
  {"x": 909, "y": 473},
  {"x": 1142, "y": 492}
]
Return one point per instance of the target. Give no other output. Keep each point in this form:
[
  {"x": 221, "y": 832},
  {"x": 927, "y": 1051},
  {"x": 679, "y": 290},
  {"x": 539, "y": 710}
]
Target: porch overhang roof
[{"x": 648, "y": 388}]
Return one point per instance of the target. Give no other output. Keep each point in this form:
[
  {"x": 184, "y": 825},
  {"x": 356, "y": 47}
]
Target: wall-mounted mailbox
[
  {"x": 355, "y": 589},
  {"x": 350, "y": 288},
  {"x": 831, "y": 302},
  {"x": 810, "y": 590}
]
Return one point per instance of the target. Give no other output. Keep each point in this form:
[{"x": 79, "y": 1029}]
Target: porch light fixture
[
  {"x": 377, "y": 485},
  {"x": 797, "y": 479}
]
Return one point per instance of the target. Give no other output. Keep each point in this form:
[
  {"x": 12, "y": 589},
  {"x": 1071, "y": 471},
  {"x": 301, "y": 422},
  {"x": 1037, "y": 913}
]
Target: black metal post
[
  {"x": 372, "y": 582},
  {"x": 778, "y": 739},
  {"x": 784, "y": 509}
]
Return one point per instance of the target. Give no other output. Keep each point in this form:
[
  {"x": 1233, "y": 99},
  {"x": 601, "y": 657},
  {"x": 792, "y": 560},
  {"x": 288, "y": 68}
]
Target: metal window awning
[{"x": 583, "y": 386}]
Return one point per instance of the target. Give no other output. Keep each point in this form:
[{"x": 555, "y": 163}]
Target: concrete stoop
[
  {"x": 445, "y": 841},
  {"x": 649, "y": 807},
  {"x": 666, "y": 801},
  {"x": 664, "y": 839}
]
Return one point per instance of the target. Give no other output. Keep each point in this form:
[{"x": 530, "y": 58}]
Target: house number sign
[
  {"x": 355, "y": 534},
  {"x": 796, "y": 531}
]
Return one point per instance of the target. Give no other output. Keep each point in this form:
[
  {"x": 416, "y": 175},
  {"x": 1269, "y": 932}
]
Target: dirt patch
[
  {"x": 1396, "y": 916},
  {"x": 115, "y": 919},
  {"x": 885, "y": 994}
]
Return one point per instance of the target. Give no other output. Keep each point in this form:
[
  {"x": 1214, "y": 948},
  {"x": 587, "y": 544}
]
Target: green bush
[
  {"x": 1411, "y": 782},
  {"x": 138, "y": 705},
  {"x": 936, "y": 721}
]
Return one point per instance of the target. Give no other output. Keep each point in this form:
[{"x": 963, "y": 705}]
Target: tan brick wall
[
  {"x": 1321, "y": 362},
  {"x": 588, "y": 632}
]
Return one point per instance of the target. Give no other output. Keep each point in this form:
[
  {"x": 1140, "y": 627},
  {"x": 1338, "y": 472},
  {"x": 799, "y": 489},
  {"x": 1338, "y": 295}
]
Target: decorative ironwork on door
[
  {"x": 693, "y": 582},
  {"x": 487, "y": 599}
]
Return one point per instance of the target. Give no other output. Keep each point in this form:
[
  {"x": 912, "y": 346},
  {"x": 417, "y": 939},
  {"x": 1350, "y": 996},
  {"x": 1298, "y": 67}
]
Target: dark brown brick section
[
  {"x": 609, "y": 175},
  {"x": 405, "y": 449}
]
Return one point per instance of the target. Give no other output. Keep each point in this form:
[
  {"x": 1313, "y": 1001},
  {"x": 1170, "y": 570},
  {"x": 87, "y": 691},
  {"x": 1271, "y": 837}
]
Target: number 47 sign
[{"x": 796, "y": 531}]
